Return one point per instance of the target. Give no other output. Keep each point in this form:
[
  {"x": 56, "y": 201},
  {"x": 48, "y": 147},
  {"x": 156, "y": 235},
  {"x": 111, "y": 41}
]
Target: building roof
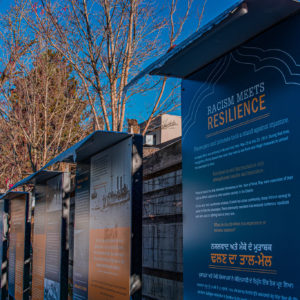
[{"x": 241, "y": 22}]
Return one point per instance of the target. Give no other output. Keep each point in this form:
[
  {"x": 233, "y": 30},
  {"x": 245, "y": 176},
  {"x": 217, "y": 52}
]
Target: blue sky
[
  {"x": 214, "y": 7},
  {"x": 139, "y": 107},
  {"x": 4, "y": 5}
]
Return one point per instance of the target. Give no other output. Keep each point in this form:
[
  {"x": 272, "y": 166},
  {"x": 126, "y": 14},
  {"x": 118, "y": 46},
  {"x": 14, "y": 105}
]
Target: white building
[{"x": 162, "y": 129}]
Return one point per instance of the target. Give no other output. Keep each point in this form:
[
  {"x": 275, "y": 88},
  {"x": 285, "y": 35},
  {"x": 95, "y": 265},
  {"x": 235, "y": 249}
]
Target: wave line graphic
[
  {"x": 212, "y": 88},
  {"x": 210, "y": 77},
  {"x": 260, "y": 59}
]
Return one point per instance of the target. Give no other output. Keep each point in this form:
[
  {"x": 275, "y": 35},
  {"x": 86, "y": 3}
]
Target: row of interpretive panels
[
  {"x": 102, "y": 232},
  {"x": 40, "y": 232}
]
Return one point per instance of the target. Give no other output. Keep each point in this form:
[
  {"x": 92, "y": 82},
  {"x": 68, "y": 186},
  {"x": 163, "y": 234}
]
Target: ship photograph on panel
[
  {"x": 117, "y": 195},
  {"x": 110, "y": 187}
]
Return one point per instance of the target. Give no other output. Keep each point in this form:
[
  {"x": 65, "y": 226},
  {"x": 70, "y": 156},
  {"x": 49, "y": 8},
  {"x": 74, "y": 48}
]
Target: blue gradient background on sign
[{"x": 280, "y": 70}]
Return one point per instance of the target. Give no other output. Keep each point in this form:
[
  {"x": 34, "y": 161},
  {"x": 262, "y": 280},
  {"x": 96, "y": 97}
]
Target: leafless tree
[
  {"x": 105, "y": 42},
  {"x": 175, "y": 28},
  {"x": 108, "y": 42},
  {"x": 42, "y": 114}
]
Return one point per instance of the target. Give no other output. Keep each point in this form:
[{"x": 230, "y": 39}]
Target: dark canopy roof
[
  {"x": 92, "y": 144},
  {"x": 239, "y": 23},
  {"x": 13, "y": 195}
]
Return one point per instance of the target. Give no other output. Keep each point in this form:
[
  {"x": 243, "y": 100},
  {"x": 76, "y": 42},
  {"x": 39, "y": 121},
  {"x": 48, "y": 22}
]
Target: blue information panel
[
  {"x": 102, "y": 233},
  {"x": 19, "y": 247},
  {"x": 108, "y": 217},
  {"x": 81, "y": 232},
  {"x": 241, "y": 145},
  {"x": 49, "y": 267}
]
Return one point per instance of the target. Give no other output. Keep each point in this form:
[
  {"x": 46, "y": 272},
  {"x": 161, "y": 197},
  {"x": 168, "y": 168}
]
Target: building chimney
[{"x": 133, "y": 126}]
